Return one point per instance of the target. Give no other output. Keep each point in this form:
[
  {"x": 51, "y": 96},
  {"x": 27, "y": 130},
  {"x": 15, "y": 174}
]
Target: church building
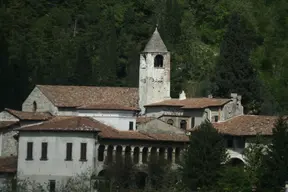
[{"x": 63, "y": 131}]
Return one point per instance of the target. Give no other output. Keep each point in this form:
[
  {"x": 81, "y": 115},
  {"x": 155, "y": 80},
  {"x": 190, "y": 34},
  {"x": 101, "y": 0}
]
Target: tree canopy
[{"x": 88, "y": 42}]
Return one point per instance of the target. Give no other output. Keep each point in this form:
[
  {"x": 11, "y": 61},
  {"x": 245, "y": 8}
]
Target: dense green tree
[
  {"x": 253, "y": 156},
  {"x": 204, "y": 157},
  {"x": 275, "y": 161},
  {"x": 233, "y": 70},
  {"x": 233, "y": 179}
]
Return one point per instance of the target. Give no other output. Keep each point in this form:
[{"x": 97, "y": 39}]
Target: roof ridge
[{"x": 42, "y": 85}]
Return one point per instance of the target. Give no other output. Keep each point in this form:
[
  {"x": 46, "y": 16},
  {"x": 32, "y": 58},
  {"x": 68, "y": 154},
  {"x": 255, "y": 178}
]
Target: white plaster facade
[
  {"x": 119, "y": 119},
  {"x": 55, "y": 167}
]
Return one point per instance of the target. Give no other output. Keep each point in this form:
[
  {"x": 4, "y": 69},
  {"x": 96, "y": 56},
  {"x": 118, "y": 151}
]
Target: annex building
[{"x": 65, "y": 130}]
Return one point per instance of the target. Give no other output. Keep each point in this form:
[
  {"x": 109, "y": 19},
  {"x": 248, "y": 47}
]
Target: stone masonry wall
[
  {"x": 43, "y": 103},
  {"x": 5, "y": 116},
  {"x": 9, "y": 144}
]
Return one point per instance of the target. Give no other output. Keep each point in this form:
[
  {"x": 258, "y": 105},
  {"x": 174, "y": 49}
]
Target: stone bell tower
[{"x": 154, "y": 72}]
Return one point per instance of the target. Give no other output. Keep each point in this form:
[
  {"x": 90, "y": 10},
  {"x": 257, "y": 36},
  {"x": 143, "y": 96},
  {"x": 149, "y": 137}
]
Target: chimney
[
  {"x": 182, "y": 95},
  {"x": 234, "y": 97}
]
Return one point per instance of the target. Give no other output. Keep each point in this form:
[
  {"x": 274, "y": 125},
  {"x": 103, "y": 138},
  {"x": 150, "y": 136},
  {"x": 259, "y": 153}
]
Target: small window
[
  {"x": 52, "y": 185},
  {"x": 83, "y": 152},
  {"x": 170, "y": 122},
  {"x": 68, "y": 152},
  {"x": 192, "y": 122},
  {"x": 44, "y": 151},
  {"x": 34, "y": 106},
  {"x": 183, "y": 124},
  {"x": 131, "y": 125},
  {"x": 29, "y": 151},
  {"x": 215, "y": 118},
  {"x": 158, "y": 61}
]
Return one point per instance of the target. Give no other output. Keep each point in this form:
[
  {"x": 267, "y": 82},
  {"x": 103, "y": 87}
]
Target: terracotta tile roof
[
  {"x": 87, "y": 124},
  {"x": 61, "y": 123},
  {"x": 191, "y": 103},
  {"x": 4, "y": 124},
  {"x": 109, "y": 107},
  {"x": 111, "y": 133},
  {"x": 76, "y": 96},
  {"x": 23, "y": 115},
  {"x": 168, "y": 137},
  {"x": 8, "y": 164},
  {"x": 143, "y": 119},
  {"x": 246, "y": 125}
]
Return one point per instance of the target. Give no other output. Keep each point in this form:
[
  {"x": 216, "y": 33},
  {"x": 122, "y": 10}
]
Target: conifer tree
[
  {"x": 204, "y": 157},
  {"x": 233, "y": 71},
  {"x": 275, "y": 162}
]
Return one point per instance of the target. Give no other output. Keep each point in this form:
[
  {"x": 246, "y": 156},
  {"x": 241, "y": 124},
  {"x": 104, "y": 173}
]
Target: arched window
[
  {"x": 183, "y": 124},
  {"x": 158, "y": 61},
  {"x": 34, "y": 106},
  {"x": 170, "y": 122}
]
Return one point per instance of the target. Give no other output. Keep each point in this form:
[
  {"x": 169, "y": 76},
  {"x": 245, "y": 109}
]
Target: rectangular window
[
  {"x": 44, "y": 151},
  {"x": 131, "y": 125},
  {"x": 29, "y": 151},
  {"x": 68, "y": 152},
  {"x": 83, "y": 152},
  {"x": 52, "y": 185}
]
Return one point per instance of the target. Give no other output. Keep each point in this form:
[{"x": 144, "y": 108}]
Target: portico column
[
  {"x": 165, "y": 153},
  {"x": 113, "y": 152},
  {"x": 132, "y": 153},
  {"x": 173, "y": 155},
  {"x": 149, "y": 153},
  {"x": 140, "y": 155}
]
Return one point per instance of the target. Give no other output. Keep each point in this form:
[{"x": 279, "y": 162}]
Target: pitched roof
[
  {"x": 191, "y": 103},
  {"x": 155, "y": 44},
  {"x": 4, "y": 124},
  {"x": 23, "y": 115},
  {"x": 107, "y": 132},
  {"x": 8, "y": 164},
  {"x": 66, "y": 123},
  {"x": 109, "y": 107},
  {"x": 87, "y": 124},
  {"x": 246, "y": 125},
  {"x": 76, "y": 96}
]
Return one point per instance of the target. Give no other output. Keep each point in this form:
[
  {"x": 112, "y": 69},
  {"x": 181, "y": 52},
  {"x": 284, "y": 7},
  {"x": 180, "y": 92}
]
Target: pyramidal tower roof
[{"x": 155, "y": 43}]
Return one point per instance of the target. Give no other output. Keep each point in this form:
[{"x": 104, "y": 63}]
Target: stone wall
[
  {"x": 158, "y": 126},
  {"x": 5, "y": 116},
  {"x": 154, "y": 82},
  {"x": 42, "y": 102},
  {"x": 233, "y": 108},
  {"x": 9, "y": 144}
]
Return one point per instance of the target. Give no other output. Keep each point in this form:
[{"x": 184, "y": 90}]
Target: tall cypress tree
[
  {"x": 233, "y": 70},
  {"x": 204, "y": 157}
]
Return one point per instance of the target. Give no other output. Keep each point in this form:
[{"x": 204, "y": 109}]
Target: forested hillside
[{"x": 217, "y": 46}]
